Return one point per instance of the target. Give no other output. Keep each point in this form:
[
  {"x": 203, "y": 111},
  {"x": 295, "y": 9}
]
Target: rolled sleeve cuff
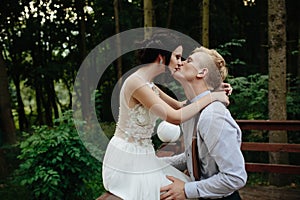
[{"x": 191, "y": 191}]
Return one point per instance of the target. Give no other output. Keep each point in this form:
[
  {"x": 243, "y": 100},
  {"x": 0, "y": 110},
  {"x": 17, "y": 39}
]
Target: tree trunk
[
  {"x": 298, "y": 60},
  {"x": 39, "y": 107},
  {"x": 23, "y": 123},
  {"x": 7, "y": 125},
  {"x": 46, "y": 102},
  {"x": 148, "y": 17},
  {"x": 118, "y": 43},
  {"x": 84, "y": 89},
  {"x": 205, "y": 23},
  {"x": 263, "y": 61},
  {"x": 171, "y": 2},
  {"x": 53, "y": 99},
  {"x": 37, "y": 54},
  {"x": 15, "y": 75},
  {"x": 277, "y": 81}
]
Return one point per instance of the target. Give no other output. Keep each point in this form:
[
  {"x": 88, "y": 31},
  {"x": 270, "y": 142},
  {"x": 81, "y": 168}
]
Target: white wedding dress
[{"x": 131, "y": 169}]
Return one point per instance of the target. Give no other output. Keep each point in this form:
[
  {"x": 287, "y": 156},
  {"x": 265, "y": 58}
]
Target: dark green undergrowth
[
  {"x": 262, "y": 179},
  {"x": 54, "y": 164}
]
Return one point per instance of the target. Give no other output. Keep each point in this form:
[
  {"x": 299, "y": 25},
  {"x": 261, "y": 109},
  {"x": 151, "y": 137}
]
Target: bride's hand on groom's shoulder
[{"x": 227, "y": 88}]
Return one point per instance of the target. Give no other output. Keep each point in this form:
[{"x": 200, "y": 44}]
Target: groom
[{"x": 221, "y": 163}]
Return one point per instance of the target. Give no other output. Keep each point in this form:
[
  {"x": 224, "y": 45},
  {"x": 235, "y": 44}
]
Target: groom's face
[{"x": 189, "y": 69}]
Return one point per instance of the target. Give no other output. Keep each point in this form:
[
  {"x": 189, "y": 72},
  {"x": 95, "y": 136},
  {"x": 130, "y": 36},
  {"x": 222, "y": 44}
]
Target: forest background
[{"x": 43, "y": 44}]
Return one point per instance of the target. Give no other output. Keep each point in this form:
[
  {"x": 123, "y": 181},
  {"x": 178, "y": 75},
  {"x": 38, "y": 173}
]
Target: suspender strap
[{"x": 195, "y": 152}]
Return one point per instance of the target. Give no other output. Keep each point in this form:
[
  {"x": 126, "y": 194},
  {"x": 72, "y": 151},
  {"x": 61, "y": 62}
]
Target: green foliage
[
  {"x": 56, "y": 165},
  {"x": 257, "y": 179},
  {"x": 226, "y": 51},
  {"x": 108, "y": 128},
  {"x": 98, "y": 99},
  {"x": 249, "y": 99},
  {"x": 293, "y": 108},
  {"x": 293, "y": 98}
]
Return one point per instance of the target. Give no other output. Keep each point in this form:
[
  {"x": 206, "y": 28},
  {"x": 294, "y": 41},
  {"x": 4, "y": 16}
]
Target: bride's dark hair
[{"x": 162, "y": 43}]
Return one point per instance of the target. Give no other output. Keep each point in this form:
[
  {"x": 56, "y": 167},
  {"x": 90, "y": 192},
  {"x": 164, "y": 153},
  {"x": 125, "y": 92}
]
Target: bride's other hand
[
  {"x": 227, "y": 88},
  {"x": 220, "y": 96}
]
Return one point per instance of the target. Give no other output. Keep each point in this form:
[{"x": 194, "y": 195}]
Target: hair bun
[{"x": 162, "y": 42}]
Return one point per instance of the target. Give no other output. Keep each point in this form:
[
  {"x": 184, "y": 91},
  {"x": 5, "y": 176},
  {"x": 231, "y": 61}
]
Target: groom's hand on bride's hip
[{"x": 173, "y": 191}]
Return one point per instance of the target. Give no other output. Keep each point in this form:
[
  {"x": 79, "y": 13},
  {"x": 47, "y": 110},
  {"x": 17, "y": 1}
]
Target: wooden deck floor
[
  {"x": 270, "y": 193},
  {"x": 251, "y": 193}
]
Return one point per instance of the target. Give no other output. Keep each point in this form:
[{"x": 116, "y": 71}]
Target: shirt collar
[{"x": 196, "y": 98}]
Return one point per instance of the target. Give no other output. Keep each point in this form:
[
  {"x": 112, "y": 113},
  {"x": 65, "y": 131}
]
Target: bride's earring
[{"x": 161, "y": 61}]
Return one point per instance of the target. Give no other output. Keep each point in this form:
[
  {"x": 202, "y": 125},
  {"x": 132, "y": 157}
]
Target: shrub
[
  {"x": 249, "y": 99},
  {"x": 56, "y": 165}
]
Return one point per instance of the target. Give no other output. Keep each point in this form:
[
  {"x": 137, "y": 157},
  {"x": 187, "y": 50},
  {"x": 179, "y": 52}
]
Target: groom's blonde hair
[
  {"x": 217, "y": 58},
  {"x": 215, "y": 65}
]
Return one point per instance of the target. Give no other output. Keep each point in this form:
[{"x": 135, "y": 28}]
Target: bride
[{"x": 131, "y": 169}]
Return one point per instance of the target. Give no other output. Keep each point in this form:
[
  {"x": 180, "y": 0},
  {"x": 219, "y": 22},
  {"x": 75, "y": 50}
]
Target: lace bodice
[{"x": 136, "y": 124}]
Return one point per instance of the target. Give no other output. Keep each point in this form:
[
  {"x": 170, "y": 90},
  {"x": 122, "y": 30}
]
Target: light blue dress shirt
[{"x": 219, "y": 141}]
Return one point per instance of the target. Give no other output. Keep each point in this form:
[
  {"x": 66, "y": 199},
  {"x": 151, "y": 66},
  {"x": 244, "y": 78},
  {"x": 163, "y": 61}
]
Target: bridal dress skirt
[{"x": 132, "y": 171}]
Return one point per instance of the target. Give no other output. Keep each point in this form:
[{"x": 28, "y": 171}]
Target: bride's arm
[
  {"x": 146, "y": 96},
  {"x": 179, "y": 104},
  {"x": 169, "y": 100}
]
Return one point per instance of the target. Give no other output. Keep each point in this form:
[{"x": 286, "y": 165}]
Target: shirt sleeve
[
  {"x": 177, "y": 161},
  {"x": 222, "y": 136}
]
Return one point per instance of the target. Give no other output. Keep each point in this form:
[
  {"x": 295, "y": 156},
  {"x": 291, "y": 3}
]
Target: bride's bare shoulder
[{"x": 134, "y": 82}]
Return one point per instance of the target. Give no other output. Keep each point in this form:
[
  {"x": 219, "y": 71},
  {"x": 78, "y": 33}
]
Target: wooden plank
[
  {"x": 272, "y": 168},
  {"x": 172, "y": 146},
  {"x": 272, "y": 147},
  {"x": 161, "y": 153},
  {"x": 289, "y": 125}
]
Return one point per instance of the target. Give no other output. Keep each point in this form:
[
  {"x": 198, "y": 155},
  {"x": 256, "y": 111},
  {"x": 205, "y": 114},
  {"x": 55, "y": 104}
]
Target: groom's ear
[{"x": 202, "y": 73}]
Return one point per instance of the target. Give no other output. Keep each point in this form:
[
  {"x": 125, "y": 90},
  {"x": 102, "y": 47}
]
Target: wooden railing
[{"x": 288, "y": 125}]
